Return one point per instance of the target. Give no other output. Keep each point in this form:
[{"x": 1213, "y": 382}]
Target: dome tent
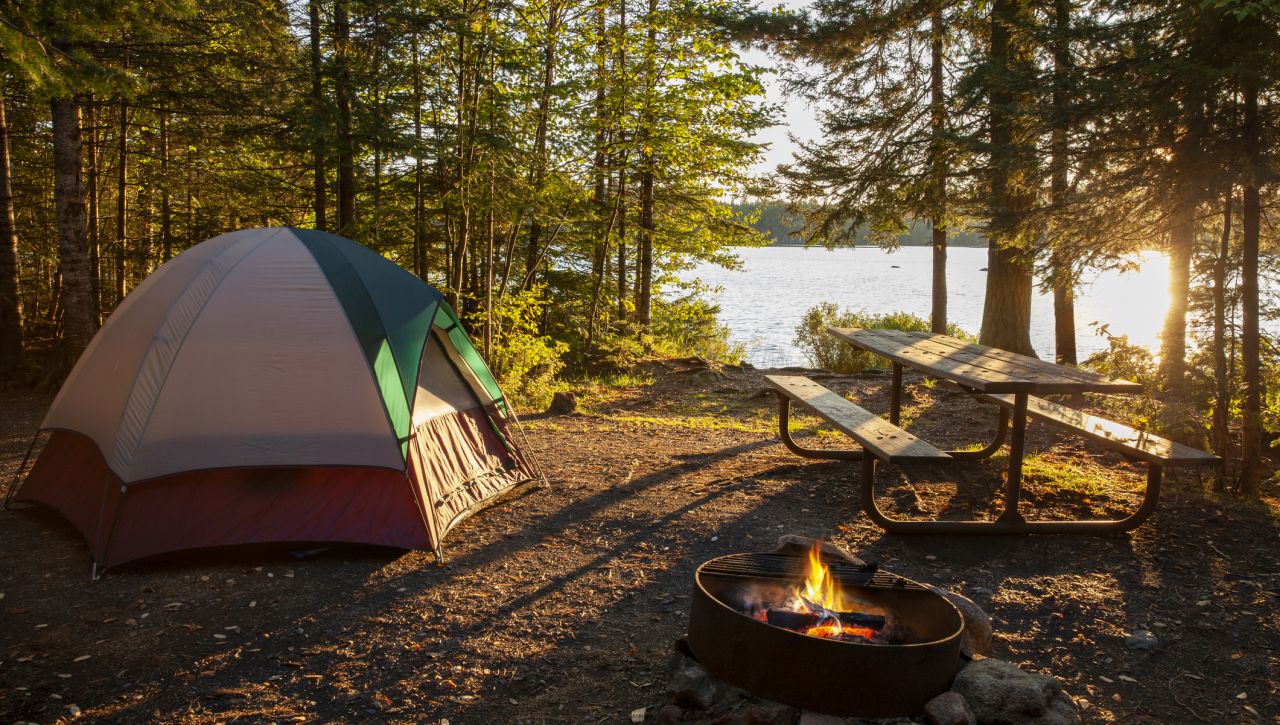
[{"x": 275, "y": 385}]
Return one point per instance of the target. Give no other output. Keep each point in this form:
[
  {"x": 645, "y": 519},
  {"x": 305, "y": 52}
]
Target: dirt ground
[{"x": 561, "y": 604}]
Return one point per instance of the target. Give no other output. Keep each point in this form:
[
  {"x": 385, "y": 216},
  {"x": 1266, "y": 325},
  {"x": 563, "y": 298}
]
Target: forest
[{"x": 551, "y": 165}]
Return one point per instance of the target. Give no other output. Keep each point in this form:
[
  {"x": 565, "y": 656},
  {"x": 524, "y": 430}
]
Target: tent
[{"x": 275, "y": 385}]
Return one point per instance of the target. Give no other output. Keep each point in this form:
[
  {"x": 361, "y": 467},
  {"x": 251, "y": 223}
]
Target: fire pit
[{"x": 824, "y": 635}]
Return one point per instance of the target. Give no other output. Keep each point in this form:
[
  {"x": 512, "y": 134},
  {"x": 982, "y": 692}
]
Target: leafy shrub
[
  {"x": 830, "y": 353},
  {"x": 688, "y": 326},
  {"x": 526, "y": 364}
]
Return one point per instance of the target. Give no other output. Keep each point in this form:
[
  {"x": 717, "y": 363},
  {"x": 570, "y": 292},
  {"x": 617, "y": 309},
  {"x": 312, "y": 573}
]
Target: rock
[
  {"x": 949, "y": 708},
  {"x": 693, "y": 687},
  {"x": 563, "y": 403},
  {"x": 770, "y": 713},
  {"x": 999, "y": 693},
  {"x": 977, "y": 623},
  {"x": 1141, "y": 639},
  {"x": 981, "y": 592},
  {"x": 668, "y": 714},
  {"x": 796, "y": 544},
  {"x": 817, "y": 718}
]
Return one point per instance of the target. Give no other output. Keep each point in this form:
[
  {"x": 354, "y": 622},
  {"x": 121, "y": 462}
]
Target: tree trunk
[
  {"x": 1182, "y": 238},
  {"x": 1221, "y": 373},
  {"x": 93, "y": 163},
  {"x": 1251, "y": 463},
  {"x": 11, "y": 354},
  {"x": 166, "y": 213},
  {"x": 539, "y": 171},
  {"x": 122, "y": 208},
  {"x": 938, "y": 202},
  {"x": 1064, "y": 303},
  {"x": 623, "y": 287},
  {"x": 599, "y": 198},
  {"x": 75, "y": 297},
  {"x": 1006, "y": 312},
  {"x": 346, "y": 139},
  {"x": 419, "y": 209},
  {"x": 317, "y": 120}
]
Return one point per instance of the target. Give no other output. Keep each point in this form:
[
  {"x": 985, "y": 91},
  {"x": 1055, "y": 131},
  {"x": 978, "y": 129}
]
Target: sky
[{"x": 796, "y": 119}]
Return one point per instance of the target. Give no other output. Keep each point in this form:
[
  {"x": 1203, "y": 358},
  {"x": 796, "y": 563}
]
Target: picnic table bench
[{"x": 995, "y": 376}]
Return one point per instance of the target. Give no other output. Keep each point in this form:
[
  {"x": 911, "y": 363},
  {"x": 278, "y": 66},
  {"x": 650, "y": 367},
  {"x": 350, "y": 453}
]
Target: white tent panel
[
  {"x": 250, "y": 389},
  {"x": 440, "y": 389}
]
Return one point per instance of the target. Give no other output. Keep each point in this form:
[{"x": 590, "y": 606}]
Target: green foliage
[
  {"x": 687, "y": 326},
  {"x": 829, "y": 353},
  {"x": 526, "y": 363}
]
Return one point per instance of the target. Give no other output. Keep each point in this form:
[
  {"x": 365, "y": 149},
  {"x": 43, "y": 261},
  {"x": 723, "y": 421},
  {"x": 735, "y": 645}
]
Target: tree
[{"x": 12, "y": 356}]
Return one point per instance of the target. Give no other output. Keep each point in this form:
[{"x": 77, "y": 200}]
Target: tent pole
[
  {"x": 526, "y": 449},
  {"x": 17, "y": 475}
]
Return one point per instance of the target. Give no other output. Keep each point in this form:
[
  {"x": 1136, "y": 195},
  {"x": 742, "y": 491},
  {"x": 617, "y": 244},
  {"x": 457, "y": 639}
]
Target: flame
[{"x": 819, "y": 586}]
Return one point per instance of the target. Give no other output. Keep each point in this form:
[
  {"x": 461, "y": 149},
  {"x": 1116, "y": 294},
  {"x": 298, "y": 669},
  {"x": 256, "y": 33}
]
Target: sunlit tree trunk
[
  {"x": 11, "y": 354},
  {"x": 166, "y": 214},
  {"x": 122, "y": 208},
  {"x": 1006, "y": 312},
  {"x": 1221, "y": 373},
  {"x": 419, "y": 205},
  {"x": 539, "y": 171},
  {"x": 93, "y": 167},
  {"x": 937, "y": 127},
  {"x": 1064, "y": 303},
  {"x": 1251, "y": 463}
]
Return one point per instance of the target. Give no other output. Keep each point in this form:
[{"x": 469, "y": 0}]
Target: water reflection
[{"x": 763, "y": 302}]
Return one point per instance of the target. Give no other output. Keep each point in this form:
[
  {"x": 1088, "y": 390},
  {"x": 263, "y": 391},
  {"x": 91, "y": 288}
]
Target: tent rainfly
[{"x": 275, "y": 385}]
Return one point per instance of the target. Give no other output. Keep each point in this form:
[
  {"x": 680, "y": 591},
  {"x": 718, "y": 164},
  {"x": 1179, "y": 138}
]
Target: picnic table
[{"x": 1008, "y": 380}]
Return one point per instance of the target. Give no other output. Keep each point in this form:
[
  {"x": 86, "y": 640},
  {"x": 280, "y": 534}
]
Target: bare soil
[{"x": 561, "y": 604}]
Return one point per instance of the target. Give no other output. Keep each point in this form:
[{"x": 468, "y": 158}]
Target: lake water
[{"x": 763, "y": 302}]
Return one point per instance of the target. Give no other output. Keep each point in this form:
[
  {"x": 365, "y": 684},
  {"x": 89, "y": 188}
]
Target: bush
[
  {"x": 688, "y": 326},
  {"x": 830, "y": 353},
  {"x": 526, "y": 364}
]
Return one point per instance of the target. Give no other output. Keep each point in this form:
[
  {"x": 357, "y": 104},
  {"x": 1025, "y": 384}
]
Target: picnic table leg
[
  {"x": 784, "y": 419},
  {"x": 1013, "y": 484},
  {"x": 1002, "y": 427},
  {"x": 895, "y": 397}
]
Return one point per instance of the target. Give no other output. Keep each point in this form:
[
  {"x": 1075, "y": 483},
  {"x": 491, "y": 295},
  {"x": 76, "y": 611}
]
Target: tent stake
[{"x": 17, "y": 475}]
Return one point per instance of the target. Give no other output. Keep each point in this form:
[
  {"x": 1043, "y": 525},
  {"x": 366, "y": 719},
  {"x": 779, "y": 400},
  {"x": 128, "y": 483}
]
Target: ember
[{"x": 817, "y": 607}]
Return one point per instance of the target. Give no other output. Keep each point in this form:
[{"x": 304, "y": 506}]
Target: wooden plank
[
  {"x": 1005, "y": 360},
  {"x": 979, "y": 367},
  {"x": 1148, "y": 447},
  {"x": 973, "y": 376},
  {"x": 886, "y": 441}
]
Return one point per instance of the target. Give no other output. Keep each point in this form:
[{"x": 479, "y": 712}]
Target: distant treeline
[{"x": 784, "y": 228}]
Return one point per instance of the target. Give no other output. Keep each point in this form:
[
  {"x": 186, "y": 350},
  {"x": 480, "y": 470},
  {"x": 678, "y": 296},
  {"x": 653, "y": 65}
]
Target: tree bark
[
  {"x": 1182, "y": 237},
  {"x": 75, "y": 298},
  {"x": 166, "y": 213},
  {"x": 12, "y": 358},
  {"x": 539, "y": 171},
  {"x": 346, "y": 139},
  {"x": 95, "y": 239},
  {"x": 419, "y": 209},
  {"x": 1251, "y": 463},
  {"x": 938, "y": 173},
  {"x": 317, "y": 120},
  {"x": 1222, "y": 398},
  {"x": 122, "y": 206},
  {"x": 1006, "y": 312},
  {"x": 1064, "y": 303},
  {"x": 604, "y": 219}
]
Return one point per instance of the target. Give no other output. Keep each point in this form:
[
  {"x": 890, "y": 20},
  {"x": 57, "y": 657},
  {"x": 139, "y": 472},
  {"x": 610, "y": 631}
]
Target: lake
[{"x": 763, "y": 302}]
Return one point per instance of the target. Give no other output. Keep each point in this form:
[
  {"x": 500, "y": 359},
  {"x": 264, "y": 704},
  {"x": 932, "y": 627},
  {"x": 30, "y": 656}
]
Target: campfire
[
  {"x": 818, "y": 607},
  {"x": 773, "y": 623}
]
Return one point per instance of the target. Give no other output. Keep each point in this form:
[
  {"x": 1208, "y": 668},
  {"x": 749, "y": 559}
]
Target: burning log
[{"x": 788, "y": 619}]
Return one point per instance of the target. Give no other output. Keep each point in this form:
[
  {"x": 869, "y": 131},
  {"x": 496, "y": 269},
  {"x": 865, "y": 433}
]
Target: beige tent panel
[
  {"x": 247, "y": 389},
  {"x": 92, "y": 398},
  {"x": 440, "y": 389}
]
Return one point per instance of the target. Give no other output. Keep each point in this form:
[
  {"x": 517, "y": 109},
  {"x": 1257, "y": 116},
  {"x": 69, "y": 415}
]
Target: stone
[
  {"x": 949, "y": 708},
  {"x": 999, "y": 693},
  {"x": 1141, "y": 639},
  {"x": 694, "y": 688},
  {"x": 563, "y": 403},
  {"x": 796, "y": 544},
  {"x": 669, "y": 713},
  {"x": 769, "y": 713},
  {"x": 976, "y": 639},
  {"x": 817, "y": 718}
]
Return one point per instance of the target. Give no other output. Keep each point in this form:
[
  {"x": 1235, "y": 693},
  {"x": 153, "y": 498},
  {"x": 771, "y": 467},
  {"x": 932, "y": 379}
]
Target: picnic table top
[{"x": 982, "y": 368}]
